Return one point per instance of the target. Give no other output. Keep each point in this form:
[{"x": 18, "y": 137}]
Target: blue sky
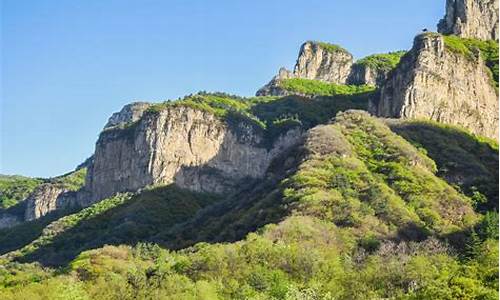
[{"x": 67, "y": 65}]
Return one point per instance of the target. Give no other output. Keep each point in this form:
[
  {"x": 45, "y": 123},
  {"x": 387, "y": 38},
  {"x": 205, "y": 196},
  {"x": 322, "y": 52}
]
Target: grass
[
  {"x": 384, "y": 62},
  {"x": 319, "y": 88},
  {"x": 14, "y": 189},
  {"x": 72, "y": 181}
]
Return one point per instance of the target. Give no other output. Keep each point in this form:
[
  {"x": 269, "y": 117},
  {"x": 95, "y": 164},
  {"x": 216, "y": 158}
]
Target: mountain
[
  {"x": 374, "y": 178},
  {"x": 331, "y": 67}
]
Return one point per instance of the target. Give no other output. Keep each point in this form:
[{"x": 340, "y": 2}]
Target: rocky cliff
[
  {"x": 190, "y": 147},
  {"x": 471, "y": 19},
  {"x": 128, "y": 114},
  {"x": 316, "y": 61},
  {"x": 434, "y": 82},
  {"x": 325, "y": 62},
  {"x": 46, "y": 198},
  {"x": 363, "y": 74},
  {"x": 55, "y": 193}
]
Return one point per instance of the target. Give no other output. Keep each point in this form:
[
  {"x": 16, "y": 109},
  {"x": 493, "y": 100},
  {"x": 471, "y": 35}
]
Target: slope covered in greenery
[
  {"x": 123, "y": 219},
  {"x": 383, "y": 61},
  {"x": 464, "y": 160},
  {"x": 362, "y": 216},
  {"x": 14, "y": 189},
  {"x": 71, "y": 181},
  {"x": 311, "y": 87}
]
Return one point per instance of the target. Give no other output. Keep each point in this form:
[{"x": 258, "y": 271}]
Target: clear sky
[{"x": 68, "y": 64}]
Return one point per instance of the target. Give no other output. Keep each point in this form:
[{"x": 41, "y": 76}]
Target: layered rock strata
[{"x": 432, "y": 82}]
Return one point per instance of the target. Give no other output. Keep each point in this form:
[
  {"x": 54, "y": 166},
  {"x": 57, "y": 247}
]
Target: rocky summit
[
  {"x": 369, "y": 178},
  {"x": 435, "y": 81},
  {"x": 471, "y": 19}
]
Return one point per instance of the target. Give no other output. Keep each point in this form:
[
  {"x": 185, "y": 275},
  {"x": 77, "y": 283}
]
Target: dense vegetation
[
  {"x": 466, "y": 161},
  {"x": 72, "y": 180},
  {"x": 383, "y": 62},
  {"x": 362, "y": 217},
  {"x": 471, "y": 47},
  {"x": 311, "y": 87},
  {"x": 379, "y": 183},
  {"x": 15, "y": 188},
  {"x": 120, "y": 219}
]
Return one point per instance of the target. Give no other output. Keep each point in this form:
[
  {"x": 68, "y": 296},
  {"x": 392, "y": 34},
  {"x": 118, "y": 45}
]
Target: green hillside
[
  {"x": 14, "y": 189},
  {"x": 358, "y": 212}
]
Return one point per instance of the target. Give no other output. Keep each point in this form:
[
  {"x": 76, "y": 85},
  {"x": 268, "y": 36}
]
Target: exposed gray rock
[
  {"x": 363, "y": 74},
  {"x": 182, "y": 145},
  {"x": 42, "y": 201},
  {"x": 471, "y": 19},
  {"x": 321, "y": 63},
  {"x": 432, "y": 82},
  {"x": 46, "y": 198},
  {"x": 128, "y": 114}
]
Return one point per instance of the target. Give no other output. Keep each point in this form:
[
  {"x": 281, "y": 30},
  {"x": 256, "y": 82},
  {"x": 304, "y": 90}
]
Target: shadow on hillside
[
  {"x": 310, "y": 112},
  {"x": 134, "y": 221},
  {"x": 462, "y": 159},
  {"x": 174, "y": 217},
  {"x": 20, "y": 235}
]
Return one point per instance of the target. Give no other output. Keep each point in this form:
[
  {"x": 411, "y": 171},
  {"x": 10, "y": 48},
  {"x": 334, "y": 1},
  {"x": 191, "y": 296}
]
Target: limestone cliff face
[
  {"x": 42, "y": 201},
  {"x": 47, "y": 198},
  {"x": 363, "y": 74},
  {"x": 182, "y": 145},
  {"x": 471, "y": 19},
  {"x": 128, "y": 114},
  {"x": 434, "y": 83},
  {"x": 319, "y": 62}
]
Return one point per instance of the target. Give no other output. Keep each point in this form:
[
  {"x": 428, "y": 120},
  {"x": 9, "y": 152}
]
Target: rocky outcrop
[
  {"x": 325, "y": 62},
  {"x": 182, "y": 145},
  {"x": 274, "y": 88},
  {"x": 316, "y": 61},
  {"x": 47, "y": 198},
  {"x": 471, "y": 19},
  {"x": 435, "y": 83},
  {"x": 128, "y": 114},
  {"x": 363, "y": 74}
]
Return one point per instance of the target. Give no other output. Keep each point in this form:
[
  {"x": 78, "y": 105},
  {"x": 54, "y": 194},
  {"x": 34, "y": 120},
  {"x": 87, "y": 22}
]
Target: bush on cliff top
[
  {"x": 16, "y": 188},
  {"x": 320, "y": 88},
  {"x": 329, "y": 47},
  {"x": 383, "y": 62}
]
